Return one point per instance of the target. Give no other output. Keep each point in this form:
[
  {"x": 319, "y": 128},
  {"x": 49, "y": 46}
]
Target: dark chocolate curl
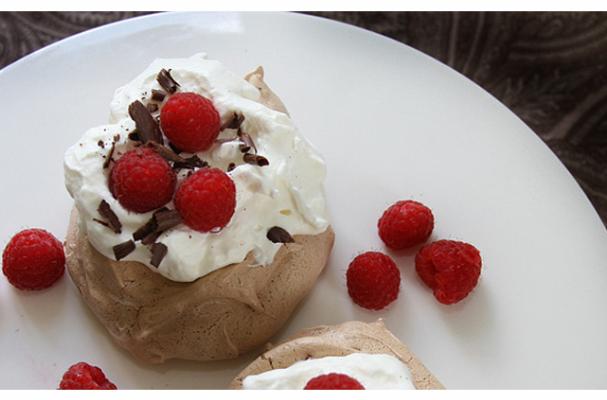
[
  {"x": 147, "y": 126},
  {"x": 256, "y": 160},
  {"x": 167, "y": 82},
  {"x": 106, "y": 212},
  {"x": 159, "y": 251},
  {"x": 123, "y": 249},
  {"x": 278, "y": 235}
]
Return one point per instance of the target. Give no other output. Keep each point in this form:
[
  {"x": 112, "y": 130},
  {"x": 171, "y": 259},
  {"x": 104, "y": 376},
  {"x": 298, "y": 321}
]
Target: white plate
[{"x": 392, "y": 124}]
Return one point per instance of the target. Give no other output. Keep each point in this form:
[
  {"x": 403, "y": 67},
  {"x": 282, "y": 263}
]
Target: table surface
[{"x": 548, "y": 68}]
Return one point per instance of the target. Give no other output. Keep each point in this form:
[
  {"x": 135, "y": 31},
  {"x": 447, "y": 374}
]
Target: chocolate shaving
[
  {"x": 106, "y": 212},
  {"x": 159, "y": 251},
  {"x": 123, "y": 249},
  {"x": 102, "y": 222},
  {"x": 134, "y": 136},
  {"x": 152, "y": 107},
  {"x": 256, "y": 160},
  {"x": 160, "y": 210},
  {"x": 101, "y": 144},
  {"x": 110, "y": 154},
  {"x": 116, "y": 137},
  {"x": 151, "y": 238},
  {"x": 174, "y": 148},
  {"x": 231, "y": 166},
  {"x": 244, "y": 148},
  {"x": 158, "y": 95},
  {"x": 166, "y": 219},
  {"x": 178, "y": 161},
  {"x": 278, "y": 235},
  {"x": 145, "y": 230},
  {"x": 162, "y": 220},
  {"x": 166, "y": 153},
  {"x": 167, "y": 82},
  {"x": 190, "y": 163},
  {"x": 234, "y": 122},
  {"x": 247, "y": 140},
  {"x": 146, "y": 124}
]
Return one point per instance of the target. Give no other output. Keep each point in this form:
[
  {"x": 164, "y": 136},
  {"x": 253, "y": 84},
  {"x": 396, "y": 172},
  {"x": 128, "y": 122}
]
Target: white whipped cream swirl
[{"x": 288, "y": 193}]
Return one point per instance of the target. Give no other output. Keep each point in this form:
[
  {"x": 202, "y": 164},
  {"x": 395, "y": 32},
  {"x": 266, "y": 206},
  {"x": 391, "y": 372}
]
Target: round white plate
[{"x": 392, "y": 124}]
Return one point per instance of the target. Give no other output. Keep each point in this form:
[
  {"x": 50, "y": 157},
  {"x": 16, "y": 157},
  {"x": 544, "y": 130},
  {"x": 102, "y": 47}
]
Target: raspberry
[
  {"x": 83, "y": 376},
  {"x": 450, "y": 268},
  {"x": 405, "y": 224},
  {"x": 333, "y": 382},
  {"x": 142, "y": 180},
  {"x": 206, "y": 200},
  {"x": 190, "y": 121},
  {"x": 33, "y": 259},
  {"x": 373, "y": 280}
]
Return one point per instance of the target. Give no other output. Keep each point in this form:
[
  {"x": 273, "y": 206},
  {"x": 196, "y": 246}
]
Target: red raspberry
[
  {"x": 190, "y": 121},
  {"x": 83, "y": 376},
  {"x": 33, "y": 259},
  {"x": 373, "y": 280},
  {"x": 206, "y": 200},
  {"x": 333, "y": 382},
  {"x": 142, "y": 180},
  {"x": 405, "y": 224},
  {"x": 450, "y": 268}
]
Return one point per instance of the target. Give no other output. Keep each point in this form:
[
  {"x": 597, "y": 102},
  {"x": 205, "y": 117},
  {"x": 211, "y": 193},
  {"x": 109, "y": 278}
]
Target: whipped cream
[
  {"x": 288, "y": 193},
  {"x": 373, "y": 371}
]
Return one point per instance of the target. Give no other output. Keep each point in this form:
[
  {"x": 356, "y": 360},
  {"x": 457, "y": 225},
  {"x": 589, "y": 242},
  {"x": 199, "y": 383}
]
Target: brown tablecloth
[{"x": 549, "y": 68}]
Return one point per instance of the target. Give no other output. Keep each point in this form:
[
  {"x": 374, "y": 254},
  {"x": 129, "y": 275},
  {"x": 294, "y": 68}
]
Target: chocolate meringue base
[
  {"x": 219, "y": 316},
  {"x": 339, "y": 340}
]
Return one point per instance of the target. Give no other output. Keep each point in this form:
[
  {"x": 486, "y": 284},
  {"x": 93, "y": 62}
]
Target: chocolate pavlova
[
  {"x": 200, "y": 219},
  {"x": 352, "y": 355}
]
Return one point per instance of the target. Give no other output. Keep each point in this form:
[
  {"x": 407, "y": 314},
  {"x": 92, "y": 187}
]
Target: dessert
[
  {"x": 217, "y": 269},
  {"x": 367, "y": 353}
]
